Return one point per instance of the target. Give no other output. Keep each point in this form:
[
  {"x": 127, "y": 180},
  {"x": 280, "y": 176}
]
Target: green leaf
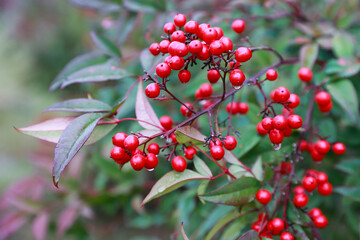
[
  {"x": 201, "y": 167},
  {"x": 343, "y": 45},
  {"x": 221, "y": 223},
  {"x": 231, "y": 158},
  {"x": 257, "y": 169},
  {"x": 349, "y": 166},
  {"x": 78, "y": 63},
  {"x": 101, "y": 6},
  {"x": 183, "y": 234},
  {"x": 344, "y": 93},
  {"x": 249, "y": 139},
  {"x": 350, "y": 192},
  {"x": 188, "y": 134},
  {"x": 72, "y": 139},
  {"x": 80, "y": 105},
  {"x": 105, "y": 45},
  {"x": 238, "y": 171},
  {"x": 308, "y": 54},
  {"x": 347, "y": 68},
  {"x": 149, "y": 61},
  {"x": 171, "y": 181},
  {"x": 269, "y": 173},
  {"x": 148, "y": 6},
  {"x": 236, "y": 193},
  {"x": 250, "y": 235},
  {"x": 127, "y": 25},
  {"x": 202, "y": 189}
]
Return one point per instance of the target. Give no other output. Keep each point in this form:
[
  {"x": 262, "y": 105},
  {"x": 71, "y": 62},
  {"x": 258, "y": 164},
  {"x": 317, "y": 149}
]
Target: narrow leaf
[
  {"x": 80, "y": 105},
  {"x": 183, "y": 232},
  {"x": 201, "y": 167},
  {"x": 257, "y": 169},
  {"x": 308, "y": 54},
  {"x": 66, "y": 219},
  {"x": 202, "y": 189},
  {"x": 349, "y": 166},
  {"x": 231, "y": 158},
  {"x": 99, "y": 6},
  {"x": 343, "y": 45},
  {"x": 250, "y": 235},
  {"x": 269, "y": 173},
  {"x": 188, "y": 134},
  {"x": 149, "y": 61},
  {"x": 40, "y": 225},
  {"x": 221, "y": 223},
  {"x": 105, "y": 45},
  {"x": 350, "y": 192}
]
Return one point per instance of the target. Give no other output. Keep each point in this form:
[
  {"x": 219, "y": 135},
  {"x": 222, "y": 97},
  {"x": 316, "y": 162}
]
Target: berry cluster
[
  {"x": 237, "y": 108},
  {"x": 319, "y": 149}
]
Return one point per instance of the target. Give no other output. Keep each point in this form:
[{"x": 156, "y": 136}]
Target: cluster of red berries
[
  {"x": 319, "y": 149},
  {"x": 237, "y": 108},
  {"x": 323, "y": 99}
]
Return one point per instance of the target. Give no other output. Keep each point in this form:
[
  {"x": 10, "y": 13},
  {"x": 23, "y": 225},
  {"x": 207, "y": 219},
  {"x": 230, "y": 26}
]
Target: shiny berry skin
[
  {"x": 184, "y": 76},
  {"x": 163, "y": 70},
  {"x": 198, "y": 94},
  {"x": 271, "y": 74},
  {"x": 206, "y": 90},
  {"x": 217, "y": 152},
  {"x": 243, "y": 108},
  {"x": 195, "y": 46},
  {"x": 153, "y": 148},
  {"x": 315, "y": 212},
  {"x": 325, "y": 189},
  {"x": 204, "y": 53},
  {"x": 216, "y": 142},
  {"x": 118, "y": 139},
  {"x": 299, "y": 190},
  {"x": 303, "y": 145},
  {"x": 166, "y": 122},
  {"x": 305, "y": 74},
  {"x": 238, "y": 26},
  {"x": 279, "y": 122},
  {"x": 322, "y": 146},
  {"x": 154, "y": 49},
  {"x": 164, "y": 46},
  {"x": 322, "y": 98},
  {"x": 178, "y": 49},
  {"x": 191, "y": 26},
  {"x": 216, "y": 48},
  {"x": 152, "y": 90},
  {"x": 293, "y": 100},
  {"x": 136, "y": 151},
  {"x": 287, "y": 112},
  {"x": 237, "y": 77},
  {"x": 179, "y": 36},
  {"x": 232, "y": 107},
  {"x": 179, "y": 163},
  {"x": 322, "y": 177},
  {"x": 286, "y": 236},
  {"x": 185, "y": 111},
  {"x": 169, "y": 28},
  {"x": 263, "y": 196},
  {"x": 294, "y": 121},
  {"x": 339, "y": 148},
  {"x": 173, "y": 138},
  {"x": 256, "y": 226},
  {"x": 176, "y": 63},
  {"x": 189, "y": 153},
  {"x": 230, "y": 142},
  {"x": 243, "y": 54},
  {"x": 209, "y": 35},
  {"x": 131, "y": 142},
  {"x": 326, "y": 108},
  {"x": 118, "y": 154},
  {"x": 260, "y": 130},
  {"x": 320, "y": 221},
  {"x": 301, "y": 200},
  {"x": 276, "y": 136},
  {"x": 276, "y": 225},
  {"x": 201, "y": 29},
  {"x": 227, "y": 43},
  {"x": 309, "y": 183},
  {"x": 213, "y": 75},
  {"x": 287, "y": 131},
  {"x": 316, "y": 156},
  {"x": 180, "y": 20},
  {"x": 220, "y": 32},
  {"x": 312, "y": 172},
  {"x": 137, "y": 162},
  {"x": 282, "y": 94},
  {"x": 267, "y": 123},
  {"x": 151, "y": 161},
  {"x": 285, "y": 168}
]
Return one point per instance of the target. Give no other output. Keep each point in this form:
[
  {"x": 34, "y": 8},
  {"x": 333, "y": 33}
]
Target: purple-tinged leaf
[
  {"x": 80, "y": 105},
  {"x": 188, "y": 134},
  {"x": 66, "y": 219},
  {"x": 308, "y": 54},
  {"x": 183, "y": 234},
  {"x": 72, "y": 139},
  {"x": 171, "y": 181},
  {"x": 250, "y": 235},
  {"x": 105, "y": 45},
  {"x": 40, "y": 225},
  {"x": 144, "y": 110},
  {"x": 10, "y": 223},
  {"x": 99, "y": 6}
]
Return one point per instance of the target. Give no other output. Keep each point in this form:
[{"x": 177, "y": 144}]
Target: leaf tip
[{"x": 56, "y": 182}]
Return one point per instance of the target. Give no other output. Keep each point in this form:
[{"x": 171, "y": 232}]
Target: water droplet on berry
[
  {"x": 150, "y": 170},
  {"x": 276, "y": 146},
  {"x": 161, "y": 189},
  {"x": 236, "y": 87}
]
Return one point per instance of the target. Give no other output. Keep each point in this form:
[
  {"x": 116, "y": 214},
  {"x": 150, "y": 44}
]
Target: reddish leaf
[
  {"x": 188, "y": 134},
  {"x": 10, "y": 223},
  {"x": 40, "y": 225},
  {"x": 66, "y": 219}
]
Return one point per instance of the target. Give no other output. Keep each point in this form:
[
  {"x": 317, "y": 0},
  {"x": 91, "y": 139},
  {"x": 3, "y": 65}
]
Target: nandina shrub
[{"x": 247, "y": 138}]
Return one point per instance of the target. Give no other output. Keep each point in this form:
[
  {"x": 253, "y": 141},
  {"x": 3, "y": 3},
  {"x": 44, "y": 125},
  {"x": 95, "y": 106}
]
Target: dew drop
[
  {"x": 150, "y": 170},
  {"x": 236, "y": 87},
  {"x": 276, "y": 146},
  {"x": 161, "y": 189}
]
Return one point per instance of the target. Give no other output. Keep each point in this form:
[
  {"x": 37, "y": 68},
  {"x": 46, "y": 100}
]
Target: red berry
[
  {"x": 151, "y": 161},
  {"x": 173, "y": 138},
  {"x": 285, "y": 168},
  {"x": 179, "y": 163},
  {"x": 154, "y": 49},
  {"x": 276, "y": 225},
  {"x": 315, "y": 212},
  {"x": 272, "y": 95},
  {"x": 234, "y": 64},
  {"x": 198, "y": 94},
  {"x": 118, "y": 139},
  {"x": 305, "y": 74},
  {"x": 163, "y": 70},
  {"x": 152, "y": 90},
  {"x": 263, "y": 196},
  {"x": 207, "y": 104},
  {"x": 217, "y": 152},
  {"x": 137, "y": 162},
  {"x": 256, "y": 226},
  {"x": 216, "y": 48},
  {"x": 178, "y": 49},
  {"x": 312, "y": 172},
  {"x": 153, "y": 148},
  {"x": 260, "y": 129},
  {"x": 287, "y": 112},
  {"x": 322, "y": 98},
  {"x": 299, "y": 190},
  {"x": 216, "y": 142},
  {"x": 286, "y": 236},
  {"x": 206, "y": 90},
  {"x": 238, "y": 26},
  {"x": 220, "y": 32},
  {"x": 189, "y": 153},
  {"x": 176, "y": 63},
  {"x": 243, "y": 54},
  {"x": 303, "y": 145},
  {"x": 237, "y": 77},
  {"x": 287, "y": 131},
  {"x": 179, "y": 36},
  {"x": 267, "y": 123},
  {"x": 213, "y": 75},
  {"x": 281, "y": 94},
  {"x": 243, "y": 108},
  {"x": 279, "y": 122},
  {"x": 131, "y": 142},
  {"x": 309, "y": 183},
  {"x": 202, "y": 27},
  {"x": 164, "y": 46},
  {"x": 180, "y": 20},
  {"x": 185, "y": 111},
  {"x": 204, "y": 54},
  {"x": 167, "y": 59},
  {"x": 184, "y": 76},
  {"x": 166, "y": 122},
  {"x": 136, "y": 151},
  {"x": 169, "y": 28},
  {"x": 232, "y": 107},
  {"x": 227, "y": 43},
  {"x": 276, "y": 136},
  {"x": 322, "y": 177},
  {"x": 271, "y": 74},
  {"x": 118, "y": 154},
  {"x": 293, "y": 100},
  {"x": 316, "y": 156},
  {"x": 339, "y": 148},
  {"x": 301, "y": 200},
  {"x": 322, "y": 146},
  {"x": 320, "y": 221},
  {"x": 325, "y": 189},
  {"x": 230, "y": 142},
  {"x": 294, "y": 121},
  {"x": 209, "y": 35},
  {"x": 326, "y": 108},
  {"x": 191, "y": 27}
]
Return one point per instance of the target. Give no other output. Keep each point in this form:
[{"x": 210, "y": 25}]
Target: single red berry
[
  {"x": 213, "y": 75},
  {"x": 179, "y": 163},
  {"x": 195, "y": 46},
  {"x": 303, "y": 145},
  {"x": 118, "y": 154},
  {"x": 204, "y": 54},
  {"x": 320, "y": 221},
  {"x": 309, "y": 183},
  {"x": 173, "y": 138},
  {"x": 137, "y": 162},
  {"x": 305, "y": 74},
  {"x": 180, "y": 20},
  {"x": 185, "y": 110},
  {"x": 282, "y": 94},
  {"x": 207, "y": 104},
  {"x": 230, "y": 142},
  {"x": 152, "y": 90},
  {"x": 206, "y": 90},
  {"x": 322, "y": 98},
  {"x": 234, "y": 64},
  {"x": 316, "y": 156},
  {"x": 184, "y": 76},
  {"x": 272, "y": 95},
  {"x": 232, "y": 107},
  {"x": 220, "y": 32},
  {"x": 293, "y": 100},
  {"x": 216, "y": 48},
  {"x": 201, "y": 29},
  {"x": 151, "y": 161},
  {"x": 276, "y": 225},
  {"x": 339, "y": 148},
  {"x": 227, "y": 43},
  {"x": 299, "y": 190},
  {"x": 198, "y": 94},
  {"x": 217, "y": 152},
  {"x": 243, "y": 54},
  {"x": 166, "y": 122},
  {"x": 312, "y": 172},
  {"x": 136, "y": 151},
  {"x": 256, "y": 226},
  {"x": 263, "y": 196},
  {"x": 260, "y": 129},
  {"x": 271, "y": 74},
  {"x": 209, "y": 35},
  {"x": 285, "y": 168},
  {"x": 315, "y": 212},
  {"x": 176, "y": 63},
  {"x": 178, "y": 49},
  {"x": 238, "y": 26},
  {"x": 169, "y": 28},
  {"x": 118, "y": 139},
  {"x": 216, "y": 142},
  {"x": 167, "y": 59},
  {"x": 190, "y": 152},
  {"x": 287, "y": 131},
  {"x": 179, "y": 36},
  {"x": 294, "y": 121},
  {"x": 267, "y": 123},
  {"x": 191, "y": 26},
  {"x": 243, "y": 108},
  {"x": 154, "y": 49},
  {"x": 163, "y": 70},
  {"x": 286, "y": 236},
  {"x": 326, "y": 108},
  {"x": 325, "y": 189},
  {"x": 237, "y": 77},
  {"x": 279, "y": 122},
  {"x": 301, "y": 200},
  {"x": 153, "y": 148},
  {"x": 164, "y": 46},
  {"x": 322, "y": 146},
  {"x": 131, "y": 142},
  {"x": 322, "y": 177}
]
